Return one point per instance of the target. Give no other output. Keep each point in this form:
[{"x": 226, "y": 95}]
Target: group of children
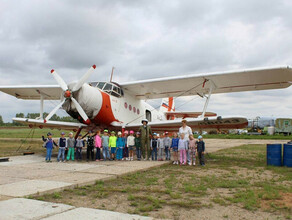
[
  {"x": 120, "y": 147},
  {"x": 184, "y": 150}
]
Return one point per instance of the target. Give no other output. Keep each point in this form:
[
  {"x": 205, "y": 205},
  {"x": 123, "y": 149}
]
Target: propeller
[
  {"x": 54, "y": 111},
  {"x": 68, "y": 94},
  {"x": 59, "y": 80},
  {"x": 83, "y": 79}
]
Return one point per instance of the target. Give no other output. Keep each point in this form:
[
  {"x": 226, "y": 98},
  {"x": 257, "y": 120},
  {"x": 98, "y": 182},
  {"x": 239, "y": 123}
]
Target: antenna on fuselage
[{"x": 111, "y": 79}]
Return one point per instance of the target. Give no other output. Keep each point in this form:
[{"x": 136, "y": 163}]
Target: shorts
[
  {"x": 131, "y": 147},
  {"x": 175, "y": 149},
  {"x": 113, "y": 150}
]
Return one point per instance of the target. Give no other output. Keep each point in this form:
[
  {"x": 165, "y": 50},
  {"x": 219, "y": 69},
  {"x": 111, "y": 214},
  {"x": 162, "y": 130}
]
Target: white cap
[{"x": 119, "y": 133}]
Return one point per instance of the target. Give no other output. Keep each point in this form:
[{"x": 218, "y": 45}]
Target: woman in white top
[{"x": 187, "y": 131}]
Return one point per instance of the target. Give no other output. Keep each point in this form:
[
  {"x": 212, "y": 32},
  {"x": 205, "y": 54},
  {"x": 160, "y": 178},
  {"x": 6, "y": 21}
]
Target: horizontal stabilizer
[{"x": 188, "y": 114}]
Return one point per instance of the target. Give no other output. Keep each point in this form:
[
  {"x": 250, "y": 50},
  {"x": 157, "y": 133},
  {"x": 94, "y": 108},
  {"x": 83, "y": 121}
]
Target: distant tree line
[{"x": 34, "y": 116}]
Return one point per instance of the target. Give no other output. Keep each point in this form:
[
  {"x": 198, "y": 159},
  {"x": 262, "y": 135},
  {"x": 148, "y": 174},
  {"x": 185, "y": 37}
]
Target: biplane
[{"x": 99, "y": 105}]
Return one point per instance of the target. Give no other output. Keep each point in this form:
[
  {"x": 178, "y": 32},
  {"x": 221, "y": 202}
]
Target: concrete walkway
[{"x": 29, "y": 175}]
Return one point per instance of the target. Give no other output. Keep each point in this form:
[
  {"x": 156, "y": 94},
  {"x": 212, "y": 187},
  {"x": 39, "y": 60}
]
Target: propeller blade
[
  {"x": 54, "y": 111},
  {"x": 80, "y": 111},
  {"x": 83, "y": 79},
  {"x": 59, "y": 80}
]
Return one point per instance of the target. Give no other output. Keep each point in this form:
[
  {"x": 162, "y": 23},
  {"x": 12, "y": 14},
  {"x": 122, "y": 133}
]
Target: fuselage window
[
  {"x": 130, "y": 107},
  {"x": 126, "y": 105},
  {"x": 138, "y": 111},
  {"x": 134, "y": 109}
]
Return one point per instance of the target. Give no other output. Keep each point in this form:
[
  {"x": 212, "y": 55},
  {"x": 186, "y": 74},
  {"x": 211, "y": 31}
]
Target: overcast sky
[{"x": 143, "y": 40}]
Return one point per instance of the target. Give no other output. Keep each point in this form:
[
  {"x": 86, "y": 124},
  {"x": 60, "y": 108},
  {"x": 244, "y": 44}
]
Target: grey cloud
[{"x": 143, "y": 40}]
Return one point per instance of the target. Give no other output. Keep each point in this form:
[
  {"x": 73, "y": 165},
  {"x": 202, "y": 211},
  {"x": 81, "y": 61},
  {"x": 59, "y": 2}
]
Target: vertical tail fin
[{"x": 167, "y": 105}]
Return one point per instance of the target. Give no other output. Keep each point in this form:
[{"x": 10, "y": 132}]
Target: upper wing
[
  {"x": 211, "y": 123},
  {"x": 49, "y": 92},
  {"x": 49, "y": 124},
  {"x": 225, "y": 82}
]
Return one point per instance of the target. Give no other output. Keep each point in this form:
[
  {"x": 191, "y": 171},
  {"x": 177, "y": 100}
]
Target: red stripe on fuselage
[{"x": 105, "y": 115}]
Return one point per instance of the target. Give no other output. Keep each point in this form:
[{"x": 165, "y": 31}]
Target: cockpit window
[
  {"x": 110, "y": 88},
  {"x": 93, "y": 84},
  {"x": 100, "y": 85},
  {"x": 107, "y": 87}
]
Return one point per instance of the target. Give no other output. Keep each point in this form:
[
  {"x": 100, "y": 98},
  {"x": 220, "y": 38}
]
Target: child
[
  {"x": 105, "y": 145},
  {"x": 174, "y": 147},
  {"x": 126, "y": 150},
  {"x": 113, "y": 144},
  {"x": 160, "y": 147},
  {"x": 62, "y": 144},
  {"x": 120, "y": 146},
  {"x": 201, "y": 150},
  {"x": 49, "y": 145},
  {"x": 79, "y": 144},
  {"x": 70, "y": 146},
  {"x": 131, "y": 144},
  {"x": 192, "y": 149},
  {"x": 97, "y": 142},
  {"x": 138, "y": 145},
  {"x": 154, "y": 145},
  {"x": 167, "y": 144},
  {"x": 90, "y": 146},
  {"x": 182, "y": 148}
]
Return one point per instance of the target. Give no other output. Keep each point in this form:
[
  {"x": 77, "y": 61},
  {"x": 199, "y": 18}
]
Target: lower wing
[
  {"x": 50, "y": 124},
  {"x": 220, "y": 123}
]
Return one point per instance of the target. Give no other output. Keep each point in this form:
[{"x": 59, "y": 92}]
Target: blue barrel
[
  {"x": 274, "y": 154},
  {"x": 287, "y": 155}
]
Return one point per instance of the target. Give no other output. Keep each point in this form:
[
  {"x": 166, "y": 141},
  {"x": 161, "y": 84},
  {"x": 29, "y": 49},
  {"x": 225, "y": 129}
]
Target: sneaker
[
  {"x": 63, "y": 161},
  {"x": 174, "y": 162},
  {"x": 123, "y": 158},
  {"x": 96, "y": 160},
  {"x": 189, "y": 163},
  {"x": 50, "y": 161},
  {"x": 194, "y": 164}
]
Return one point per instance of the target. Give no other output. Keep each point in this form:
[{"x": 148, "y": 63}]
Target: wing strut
[
  {"x": 42, "y": 107},
  {"x": 212, "y": 86}
]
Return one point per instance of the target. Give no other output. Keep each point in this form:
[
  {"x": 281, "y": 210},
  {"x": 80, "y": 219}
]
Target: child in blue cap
[
  {"x": 201, "y": 150},
  {"x": 49, "y": 145}
]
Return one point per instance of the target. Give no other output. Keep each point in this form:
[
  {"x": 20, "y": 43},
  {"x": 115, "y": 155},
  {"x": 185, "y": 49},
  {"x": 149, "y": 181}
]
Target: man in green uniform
[{"x": 145, "y": 131}]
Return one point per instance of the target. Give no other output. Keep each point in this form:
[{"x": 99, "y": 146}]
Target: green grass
[
  {"x": 245, "y": 136},
  {"x": 23, "y": 132},
  {"x": 15, "y": 147}
]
